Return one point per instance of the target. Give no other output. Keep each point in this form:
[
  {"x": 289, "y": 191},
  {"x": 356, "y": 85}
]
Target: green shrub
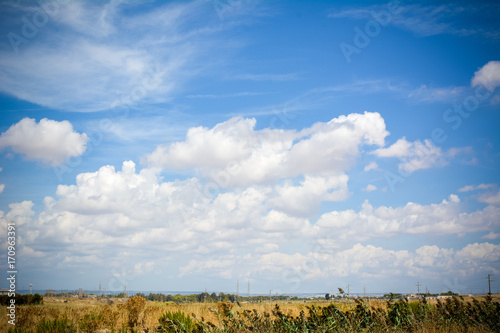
[
  {"x": 56, "y": 326},
  {"x": 176, "y": 322},
  {"x": 62, "y": 325}
]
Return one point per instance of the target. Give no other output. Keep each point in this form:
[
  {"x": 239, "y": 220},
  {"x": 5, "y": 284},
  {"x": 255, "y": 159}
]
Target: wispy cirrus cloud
[
  {"x": 429, "y": 20},
  {"x": 428, "y": 94},
  {"x": 238, "y": 94},
  {"x": 476, "y": 187},
  {"x": 93, "y": 56},
  {"x": 267, "y": 77}
]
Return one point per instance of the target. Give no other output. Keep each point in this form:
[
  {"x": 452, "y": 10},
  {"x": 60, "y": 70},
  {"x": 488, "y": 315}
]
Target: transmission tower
[{"x": 489, "y": 283}]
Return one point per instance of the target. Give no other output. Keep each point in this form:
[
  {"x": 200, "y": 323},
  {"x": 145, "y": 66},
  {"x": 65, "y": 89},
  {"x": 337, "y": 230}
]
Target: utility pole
[
  {"x": 248, "y": 294},
  {"x": 237, "y": 289},
  {"x": 489, "y": 283},
  {"x": 364, "y": 291},
  {"x": 348, "y": 290},
  {"x": 270, "y": 295},
  {"x": 418, "y": 289}
]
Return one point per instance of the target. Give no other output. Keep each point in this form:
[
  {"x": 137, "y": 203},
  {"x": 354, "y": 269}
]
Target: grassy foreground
[{"x": 138, "y": 315}]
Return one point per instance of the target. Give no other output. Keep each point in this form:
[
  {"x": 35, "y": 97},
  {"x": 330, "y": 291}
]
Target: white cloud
[
  {"x": 235, "y": 151},
  {"x": 476, "y": 187},
  {"x": 414, "y": 155},
  {"x": 428, "y": 94},
  {"x": 142, "y": 268},
  {"x": 397, "y": 149},
  {"x": 92, "y": 57},
  {"x": 371, "y": 166},
  {"x": 229, "y": 230},
  {"x": 491, "y": 236},
  {"x": 488, "y": 76},
  {"x": 369, "y": 188},
  {"x": 2, "y": 187},
  {"x": 480, "y": 252},
  {"x": 140, "y": 219},
  {"x": 49, "y": 141},
  {"x": 20, "y": 213},
  {"x": 443, "y": 218},
  {"x": 492, "y": 198},
  {"x": 305, "y": 199},
  {"x": 365, "y": 261},
  {"x": 239, "y": 94},
  {"x": 424, "y": 20},
  {"x": 266, "y": 77}
]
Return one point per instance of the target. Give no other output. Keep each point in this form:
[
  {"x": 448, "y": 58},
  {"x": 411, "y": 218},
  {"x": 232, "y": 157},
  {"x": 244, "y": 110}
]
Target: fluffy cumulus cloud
[
  {"x": 306, "y": 167},
  {"x": 130, "y": 218},
  {"x": 248, "y": 156},
  {"x": 230, "y": 221},
  {"x": 306, "y": 198},
  {"x": 488, "y": 76},
  {"x": 371, "y": 166},
  {"x": 443, "y": 218},
  {"x": 414, "y": 155},
  {"x": 370, "y": 188},
  {"x": 50, "y": 141},
  {"x": 365, "y": 261}
]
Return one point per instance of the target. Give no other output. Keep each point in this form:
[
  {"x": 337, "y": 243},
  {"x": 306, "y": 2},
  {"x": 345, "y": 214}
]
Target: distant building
[{"x": 4, "y": 291}]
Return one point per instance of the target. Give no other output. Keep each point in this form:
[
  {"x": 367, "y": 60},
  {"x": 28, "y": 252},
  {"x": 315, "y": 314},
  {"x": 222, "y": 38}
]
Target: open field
[{"x": 92, "y": 315}]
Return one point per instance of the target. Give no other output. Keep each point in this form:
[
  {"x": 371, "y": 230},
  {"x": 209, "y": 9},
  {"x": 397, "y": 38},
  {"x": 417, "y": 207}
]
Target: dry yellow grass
[{"x": 118, "y": 314}]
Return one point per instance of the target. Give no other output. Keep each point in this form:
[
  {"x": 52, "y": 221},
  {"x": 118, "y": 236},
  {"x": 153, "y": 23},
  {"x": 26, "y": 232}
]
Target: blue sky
[{"x": 301, "y": 146}]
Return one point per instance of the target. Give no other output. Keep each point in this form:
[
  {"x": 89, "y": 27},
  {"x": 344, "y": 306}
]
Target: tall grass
[{"x": 453, "y": 315}]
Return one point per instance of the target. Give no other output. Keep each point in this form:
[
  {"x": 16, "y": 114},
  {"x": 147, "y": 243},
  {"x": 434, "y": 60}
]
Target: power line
[{"x": 489, "y": 283}]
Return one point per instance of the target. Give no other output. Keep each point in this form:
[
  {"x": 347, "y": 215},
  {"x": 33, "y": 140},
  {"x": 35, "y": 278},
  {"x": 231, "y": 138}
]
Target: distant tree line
[
  {"x": 209, "y": 298},
  {"x": 22, "y": 299}
]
